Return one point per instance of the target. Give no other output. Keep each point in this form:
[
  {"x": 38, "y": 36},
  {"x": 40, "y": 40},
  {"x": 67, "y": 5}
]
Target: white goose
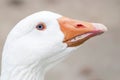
[{"x": 40, "y": 41}]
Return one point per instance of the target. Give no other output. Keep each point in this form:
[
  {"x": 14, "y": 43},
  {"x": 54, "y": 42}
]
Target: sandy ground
[{"x": 101, "y": 53}]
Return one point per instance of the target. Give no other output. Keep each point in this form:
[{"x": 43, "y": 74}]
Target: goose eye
[{"x": 40, "y": 26}]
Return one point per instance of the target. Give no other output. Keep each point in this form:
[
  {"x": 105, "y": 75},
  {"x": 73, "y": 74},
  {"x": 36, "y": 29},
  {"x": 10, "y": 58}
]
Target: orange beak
[{"x": 76, "y": 32}]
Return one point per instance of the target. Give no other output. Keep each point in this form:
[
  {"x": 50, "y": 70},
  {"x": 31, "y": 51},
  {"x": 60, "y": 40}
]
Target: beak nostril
[{"x": 80, "y": 26}]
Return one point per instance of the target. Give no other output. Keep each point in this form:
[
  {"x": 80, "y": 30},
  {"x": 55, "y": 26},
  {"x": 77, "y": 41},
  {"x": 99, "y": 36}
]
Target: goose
[{"x": 42, "y": 40}]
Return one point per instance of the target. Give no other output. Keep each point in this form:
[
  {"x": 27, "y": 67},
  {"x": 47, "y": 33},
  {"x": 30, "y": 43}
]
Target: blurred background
[{"x": 101, "y": 53}]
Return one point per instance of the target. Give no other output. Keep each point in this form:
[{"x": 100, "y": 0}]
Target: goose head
[{"x": 42, "y": 40}]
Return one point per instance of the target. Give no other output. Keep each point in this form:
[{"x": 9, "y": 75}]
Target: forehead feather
[
  {"x": 45, "y": 15},
  {"x": 26, "y": 25}
]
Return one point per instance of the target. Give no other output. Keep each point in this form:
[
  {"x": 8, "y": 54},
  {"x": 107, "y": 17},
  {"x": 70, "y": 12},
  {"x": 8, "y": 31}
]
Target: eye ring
[{"x": 41, "y": 26}]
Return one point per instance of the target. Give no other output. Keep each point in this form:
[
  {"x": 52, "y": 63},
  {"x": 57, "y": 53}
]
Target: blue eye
[{"x": 40, "y": 26}]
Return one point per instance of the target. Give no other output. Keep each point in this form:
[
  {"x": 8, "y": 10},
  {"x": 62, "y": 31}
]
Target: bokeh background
[{"x": 102, "y": 53}]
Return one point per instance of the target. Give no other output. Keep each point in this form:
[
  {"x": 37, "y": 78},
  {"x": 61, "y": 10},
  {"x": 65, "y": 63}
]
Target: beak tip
[{"x": 99, "y": 26}]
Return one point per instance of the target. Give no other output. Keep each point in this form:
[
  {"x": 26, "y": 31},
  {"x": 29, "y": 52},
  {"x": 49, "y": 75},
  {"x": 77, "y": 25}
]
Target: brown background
[{"x": 101, "y": 53}]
